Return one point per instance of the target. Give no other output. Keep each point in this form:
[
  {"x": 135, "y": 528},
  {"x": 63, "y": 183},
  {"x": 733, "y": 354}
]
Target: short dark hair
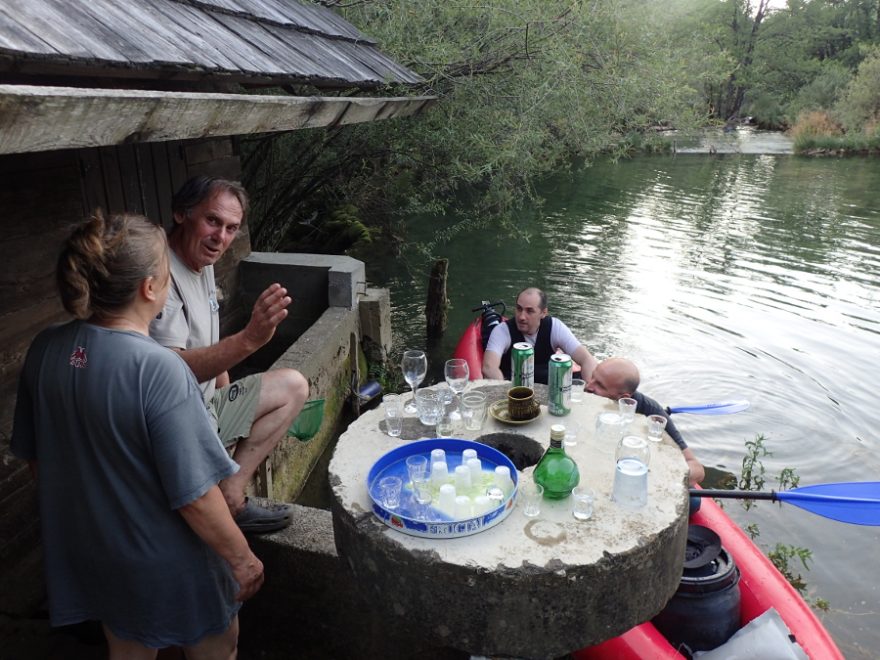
[{"x": 199, "y": 188}]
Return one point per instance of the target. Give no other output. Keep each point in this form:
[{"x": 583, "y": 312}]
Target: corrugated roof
[{"x": 247, "y": 41}]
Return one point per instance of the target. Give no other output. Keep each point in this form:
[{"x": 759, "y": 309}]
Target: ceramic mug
[{"x": 521, "y": 403}]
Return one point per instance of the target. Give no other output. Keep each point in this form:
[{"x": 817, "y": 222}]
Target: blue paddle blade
[
  {"x": 856, "y": 502},
  {"x": 712, "y": 408}
]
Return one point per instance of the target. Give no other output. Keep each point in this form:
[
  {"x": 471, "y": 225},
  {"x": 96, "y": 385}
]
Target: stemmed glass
[
  {"x": 414, "y": 366},
  {"x": 457, "y": 374}
]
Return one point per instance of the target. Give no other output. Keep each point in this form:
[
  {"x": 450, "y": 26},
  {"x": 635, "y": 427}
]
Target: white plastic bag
[{"x": 766, "y": 637}]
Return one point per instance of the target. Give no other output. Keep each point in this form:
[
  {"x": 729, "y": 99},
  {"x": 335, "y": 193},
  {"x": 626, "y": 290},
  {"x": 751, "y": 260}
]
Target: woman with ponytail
[{"x": 136, "y": 533}]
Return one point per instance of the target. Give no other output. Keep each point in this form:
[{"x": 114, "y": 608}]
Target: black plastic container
[{"x": 704, "y": 612}]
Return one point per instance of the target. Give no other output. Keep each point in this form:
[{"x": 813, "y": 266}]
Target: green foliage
[
  {"x": 752, "y": 474},
  {"x": 525, "y": 88},
  {"x": 859, "y": 106},
  {"x": 783, "y": 555}
]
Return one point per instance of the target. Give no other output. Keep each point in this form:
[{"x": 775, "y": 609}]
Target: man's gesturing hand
[{"x": 269, "y": 310}]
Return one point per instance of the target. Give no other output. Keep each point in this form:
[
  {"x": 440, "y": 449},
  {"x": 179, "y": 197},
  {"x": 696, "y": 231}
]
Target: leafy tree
[
  {"x": 525, "y": 87},
  {"x": 859, "y": 106}
]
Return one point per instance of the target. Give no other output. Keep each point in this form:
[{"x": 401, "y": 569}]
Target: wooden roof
[{"x": 242, "y": 41}]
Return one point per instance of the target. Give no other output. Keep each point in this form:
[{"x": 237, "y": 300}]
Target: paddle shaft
[{"x": 735, "y": 494}]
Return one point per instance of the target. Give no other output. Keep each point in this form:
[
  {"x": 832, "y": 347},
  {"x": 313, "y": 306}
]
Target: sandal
[{"x": 267, "y": 516}]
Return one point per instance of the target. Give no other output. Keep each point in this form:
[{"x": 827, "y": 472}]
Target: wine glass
[
  {"x": 414, "y": 366},
  {"x": 457, "y": 374}
]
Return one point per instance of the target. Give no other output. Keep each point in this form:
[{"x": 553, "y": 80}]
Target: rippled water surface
[{"x": 731, "y": 275}]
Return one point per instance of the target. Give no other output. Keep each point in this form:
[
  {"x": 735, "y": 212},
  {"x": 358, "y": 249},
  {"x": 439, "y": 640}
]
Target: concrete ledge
[
  {"x": 309, "y": 606},
  {"x": 344, "y": 275}
]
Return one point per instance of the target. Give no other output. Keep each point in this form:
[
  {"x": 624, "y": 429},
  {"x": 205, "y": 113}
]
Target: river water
[{"x": 743, "y": 273}]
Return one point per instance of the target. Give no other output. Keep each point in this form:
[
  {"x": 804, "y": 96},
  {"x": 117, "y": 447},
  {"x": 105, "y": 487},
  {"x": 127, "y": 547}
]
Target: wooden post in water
[{"x": 437, "y": 303}]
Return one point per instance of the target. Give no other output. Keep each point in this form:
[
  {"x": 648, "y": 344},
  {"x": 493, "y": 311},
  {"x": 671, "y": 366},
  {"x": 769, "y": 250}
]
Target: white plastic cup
[
  {"x": 482, "y": 505},
  {"x": 475, "y": 465},
  {"x": 462, "y": 478},
  {"x": 464, "y": 508},
  {"x": 503, "y": 479},
  {"x": 468, "y": 454},
  {"x": 439, "y": 473},
  {"x": 447, "y": 498}
]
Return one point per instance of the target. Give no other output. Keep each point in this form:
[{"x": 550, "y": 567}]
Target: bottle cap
[{"x": 557, "y": 432}]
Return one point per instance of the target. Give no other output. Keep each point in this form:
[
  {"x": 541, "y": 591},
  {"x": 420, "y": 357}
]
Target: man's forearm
[
  {"x": 209, "y": 362},
  {"x": 492, "y": 366},
  {"x": 584, "y": 358}
]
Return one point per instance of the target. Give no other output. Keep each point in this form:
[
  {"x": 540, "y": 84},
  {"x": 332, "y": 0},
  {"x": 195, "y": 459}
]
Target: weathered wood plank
[
  {"x": 173, "y": 22},
  {"x": 280, "y": 40},
  {"x": 164, "y": 185},
  {"x": 55, "y": 26},
  {"x": 112, "y": 180},
  {"x": 15, "y": 36},
  {"x": 95, "y": 117}
]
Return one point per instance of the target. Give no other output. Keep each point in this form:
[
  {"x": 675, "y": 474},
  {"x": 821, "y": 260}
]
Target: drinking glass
[
  {"x": 457, "y": 374},
  {"x": 633, "y": 447},
  {"x": 531, "y": 494},
  {"x": 582, "y": 502},
  {"x": 572, "y": 431},
  {"x": 416, "y": 465},
  {"x": 422, "y": 495},
  {"x": 473, "y": 410},
  {"x": 414, "y": 366},
  {"x": 446, "y": 424},
  {"x": 393, "y": 415},
  {"x": 577, "y": 390},
  {"x": 428, "y": 406},
  {"x": 389, "y": 492},
  {"x": 656, "y": 425},
  {"x": 609, "y": 429},
  {"x": 627, "y": 408}
]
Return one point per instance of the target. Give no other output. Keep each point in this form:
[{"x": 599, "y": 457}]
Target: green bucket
[{"x": 307, "y": 423}]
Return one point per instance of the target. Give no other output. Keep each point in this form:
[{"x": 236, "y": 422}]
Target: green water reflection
[{"x": 734, "y": 275}]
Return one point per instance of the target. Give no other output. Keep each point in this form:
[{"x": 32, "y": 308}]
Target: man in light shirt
[{"x": 546, "y": 334}]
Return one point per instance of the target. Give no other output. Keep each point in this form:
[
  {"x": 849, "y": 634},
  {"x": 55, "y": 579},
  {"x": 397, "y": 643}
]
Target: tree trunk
[{"x": 437, "y": 303}]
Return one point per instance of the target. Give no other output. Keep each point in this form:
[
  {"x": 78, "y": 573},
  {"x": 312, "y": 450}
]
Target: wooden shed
[{"x": 114, "y": 103}]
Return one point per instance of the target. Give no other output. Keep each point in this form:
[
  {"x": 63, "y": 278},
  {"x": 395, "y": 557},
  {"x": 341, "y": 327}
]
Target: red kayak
[{"x": 761, "y": 585}]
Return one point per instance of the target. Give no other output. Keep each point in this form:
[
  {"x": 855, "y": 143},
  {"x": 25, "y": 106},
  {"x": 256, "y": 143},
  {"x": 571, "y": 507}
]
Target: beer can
[
  {"x": 559, "y": 384},
  {"x": 522, "y": 359}
]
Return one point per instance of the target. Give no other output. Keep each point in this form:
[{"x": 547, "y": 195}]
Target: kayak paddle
[
  {"x": 711, "y": 408},
  {"x": 854, "y": 502}
]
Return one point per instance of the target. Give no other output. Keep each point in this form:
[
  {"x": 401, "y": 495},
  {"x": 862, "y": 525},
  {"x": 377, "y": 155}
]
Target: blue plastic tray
[{"x": 404, "y": 517}]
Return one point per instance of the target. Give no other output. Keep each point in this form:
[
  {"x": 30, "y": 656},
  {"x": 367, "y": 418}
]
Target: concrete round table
[{"x": 527, "y": 587}]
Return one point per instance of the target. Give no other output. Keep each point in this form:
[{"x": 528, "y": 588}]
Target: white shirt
[{"x": 560, "y": 338}]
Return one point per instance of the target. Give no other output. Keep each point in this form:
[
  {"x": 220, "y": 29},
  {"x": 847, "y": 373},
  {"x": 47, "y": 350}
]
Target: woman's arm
[{"x": 209, "y": 517}]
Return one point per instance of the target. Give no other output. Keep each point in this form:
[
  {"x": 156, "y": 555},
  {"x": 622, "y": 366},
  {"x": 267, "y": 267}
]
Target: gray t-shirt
[
  {"x": 191, "y": 317},
  {"x": 122, "y": 439}
]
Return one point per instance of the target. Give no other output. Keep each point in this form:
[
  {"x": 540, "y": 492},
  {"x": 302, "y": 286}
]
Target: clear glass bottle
[{"x": 556, "y": 471}]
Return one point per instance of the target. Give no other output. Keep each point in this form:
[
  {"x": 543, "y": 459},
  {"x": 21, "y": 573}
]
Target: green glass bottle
[{"x": 556, "y": 471}]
